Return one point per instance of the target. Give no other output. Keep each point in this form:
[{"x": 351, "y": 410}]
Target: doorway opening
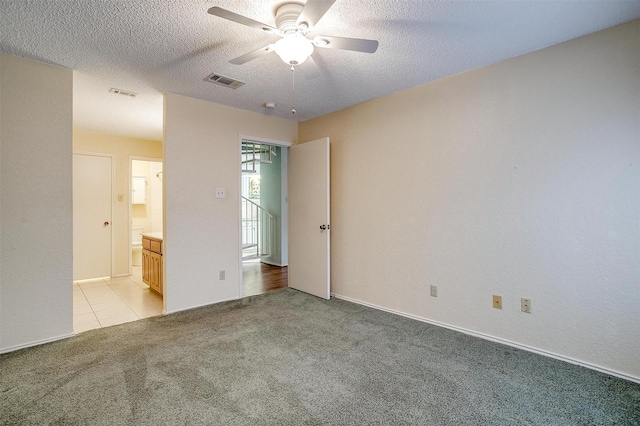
[
  {"x": 146, "y": 226},
  {"x": 102, "y": 296},
  {"x": 263, "y": 211},
  {"x": 145, "y": 215}
]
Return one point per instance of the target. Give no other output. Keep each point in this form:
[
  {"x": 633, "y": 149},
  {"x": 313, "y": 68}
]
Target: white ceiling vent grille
[
  {"x": 223, "y": 81},
  {"x": 122, "y": 92}
]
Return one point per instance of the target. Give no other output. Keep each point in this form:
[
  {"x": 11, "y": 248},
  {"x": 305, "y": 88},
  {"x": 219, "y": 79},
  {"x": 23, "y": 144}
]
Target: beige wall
[
  {"x": 35, "y": 202},
  {"x": 202, "y": 233},
  {"x": 123, "y": 148},
  {"x": 519, "y": 179}
]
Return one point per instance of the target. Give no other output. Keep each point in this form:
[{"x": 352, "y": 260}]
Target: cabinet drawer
[
  {"x": 156, "y": 247},
  {"x": 152, "y": 245}
]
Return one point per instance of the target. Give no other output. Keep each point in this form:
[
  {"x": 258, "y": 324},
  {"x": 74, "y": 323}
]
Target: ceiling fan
[{"x": 294, "y": 21}]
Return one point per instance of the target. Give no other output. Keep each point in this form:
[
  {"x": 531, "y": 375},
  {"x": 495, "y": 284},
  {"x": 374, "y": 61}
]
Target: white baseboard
[
  {"x": 271, "y": 263},
  {"x": 495, "y": 339},
  {"x": 165, "y": 312},
  {"x": 36, "y": 343}
]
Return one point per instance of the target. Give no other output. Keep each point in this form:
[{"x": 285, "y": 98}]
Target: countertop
[{"x": 154, "y": 235}]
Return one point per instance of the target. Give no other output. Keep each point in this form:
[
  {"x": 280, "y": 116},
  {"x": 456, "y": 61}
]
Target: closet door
[{"x": 92, "y": 209}]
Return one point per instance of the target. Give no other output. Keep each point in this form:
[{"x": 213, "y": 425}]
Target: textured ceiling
[{"x": 152, "y": 47}]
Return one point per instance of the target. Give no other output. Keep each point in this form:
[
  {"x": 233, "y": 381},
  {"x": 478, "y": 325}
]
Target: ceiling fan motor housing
[{"x": 287, "y": 16}]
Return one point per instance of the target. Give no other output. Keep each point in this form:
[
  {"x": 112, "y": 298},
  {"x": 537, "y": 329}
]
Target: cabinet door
[
  {"x": 152, "y": 270},
  {"x": 153, "y": 276},
  {"x": 139, "y": 190},
  {"x": 146, "y": 267},
  {"x": 160, "y": 277},
  {"x": 155, "y": 259},
  {"x": 156, "y": 272}
]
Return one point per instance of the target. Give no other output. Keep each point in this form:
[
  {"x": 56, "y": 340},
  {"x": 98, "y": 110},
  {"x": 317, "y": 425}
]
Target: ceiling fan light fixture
[{"x": 294, "y": 49}]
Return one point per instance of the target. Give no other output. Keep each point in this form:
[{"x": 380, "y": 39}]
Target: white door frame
[
  {"x": 242, "y": 138},
  {"x": 113, "y": 200},
  {"x": 130, "y": 172}
]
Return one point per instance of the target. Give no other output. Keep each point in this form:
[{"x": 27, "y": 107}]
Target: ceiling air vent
[
  {"x": 122, "y": 92},
  {"x": 223, "y": 81}
]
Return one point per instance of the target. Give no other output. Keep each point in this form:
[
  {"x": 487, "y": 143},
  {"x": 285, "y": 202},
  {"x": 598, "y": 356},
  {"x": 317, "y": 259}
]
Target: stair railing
[
  {"x": 256, "y": 153},
  {"x": 258, "y": 228}
]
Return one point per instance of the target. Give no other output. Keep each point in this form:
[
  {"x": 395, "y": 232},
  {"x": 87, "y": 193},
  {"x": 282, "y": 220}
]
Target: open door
[{"x": 309, "y": 229}]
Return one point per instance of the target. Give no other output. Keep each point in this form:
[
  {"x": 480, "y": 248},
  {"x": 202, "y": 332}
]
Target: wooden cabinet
[{"x": 152, "y": 263}]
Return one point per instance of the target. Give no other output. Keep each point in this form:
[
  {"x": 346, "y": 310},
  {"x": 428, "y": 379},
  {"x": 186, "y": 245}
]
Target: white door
[
  {"x": 309, "y": 235},
  {"x": 91, "y": 216}
]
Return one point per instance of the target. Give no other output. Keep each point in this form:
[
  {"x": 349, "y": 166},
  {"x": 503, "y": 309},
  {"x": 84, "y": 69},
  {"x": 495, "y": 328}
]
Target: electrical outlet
[
  {"x": 221, "y": 193},
  {"x": 525, "y": 305},
  {"x": 434, "y": 291},
  {"x": 222, "y": 275},
  {"x": 497, "y": 301}
]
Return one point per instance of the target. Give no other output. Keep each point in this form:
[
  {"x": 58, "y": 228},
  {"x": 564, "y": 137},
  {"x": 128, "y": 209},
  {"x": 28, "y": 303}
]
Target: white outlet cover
[{"x": 221, "y": 193}]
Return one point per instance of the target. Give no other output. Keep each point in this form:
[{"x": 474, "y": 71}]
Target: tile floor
[{"x": 105, "y": 302}]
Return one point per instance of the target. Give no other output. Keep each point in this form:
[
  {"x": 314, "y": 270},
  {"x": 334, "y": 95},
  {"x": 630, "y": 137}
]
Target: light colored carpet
[{"x": 287, "y": 358}]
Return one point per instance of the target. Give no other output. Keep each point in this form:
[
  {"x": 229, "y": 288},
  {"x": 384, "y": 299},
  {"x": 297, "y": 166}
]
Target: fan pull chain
[{"x": 293, "y": 86}]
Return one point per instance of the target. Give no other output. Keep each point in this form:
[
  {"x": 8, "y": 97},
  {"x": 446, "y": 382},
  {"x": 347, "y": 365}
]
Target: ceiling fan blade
[
  {"x": 314, "y": 10},
  {"x": 309, "y": 69},
  {"x": 252, "y": 55},
  {"x": 344, "y": 43},
  {"x": 232, "y": 16}
]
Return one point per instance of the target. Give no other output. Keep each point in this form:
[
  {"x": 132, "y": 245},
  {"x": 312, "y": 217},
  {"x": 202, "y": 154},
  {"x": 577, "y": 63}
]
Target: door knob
[
  {"x": 323, "y": 227},
  {"x": 105, "y": 224}
]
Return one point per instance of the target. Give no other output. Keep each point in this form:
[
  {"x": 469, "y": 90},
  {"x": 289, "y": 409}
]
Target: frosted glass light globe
[{"x": 294, "y": 49}]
